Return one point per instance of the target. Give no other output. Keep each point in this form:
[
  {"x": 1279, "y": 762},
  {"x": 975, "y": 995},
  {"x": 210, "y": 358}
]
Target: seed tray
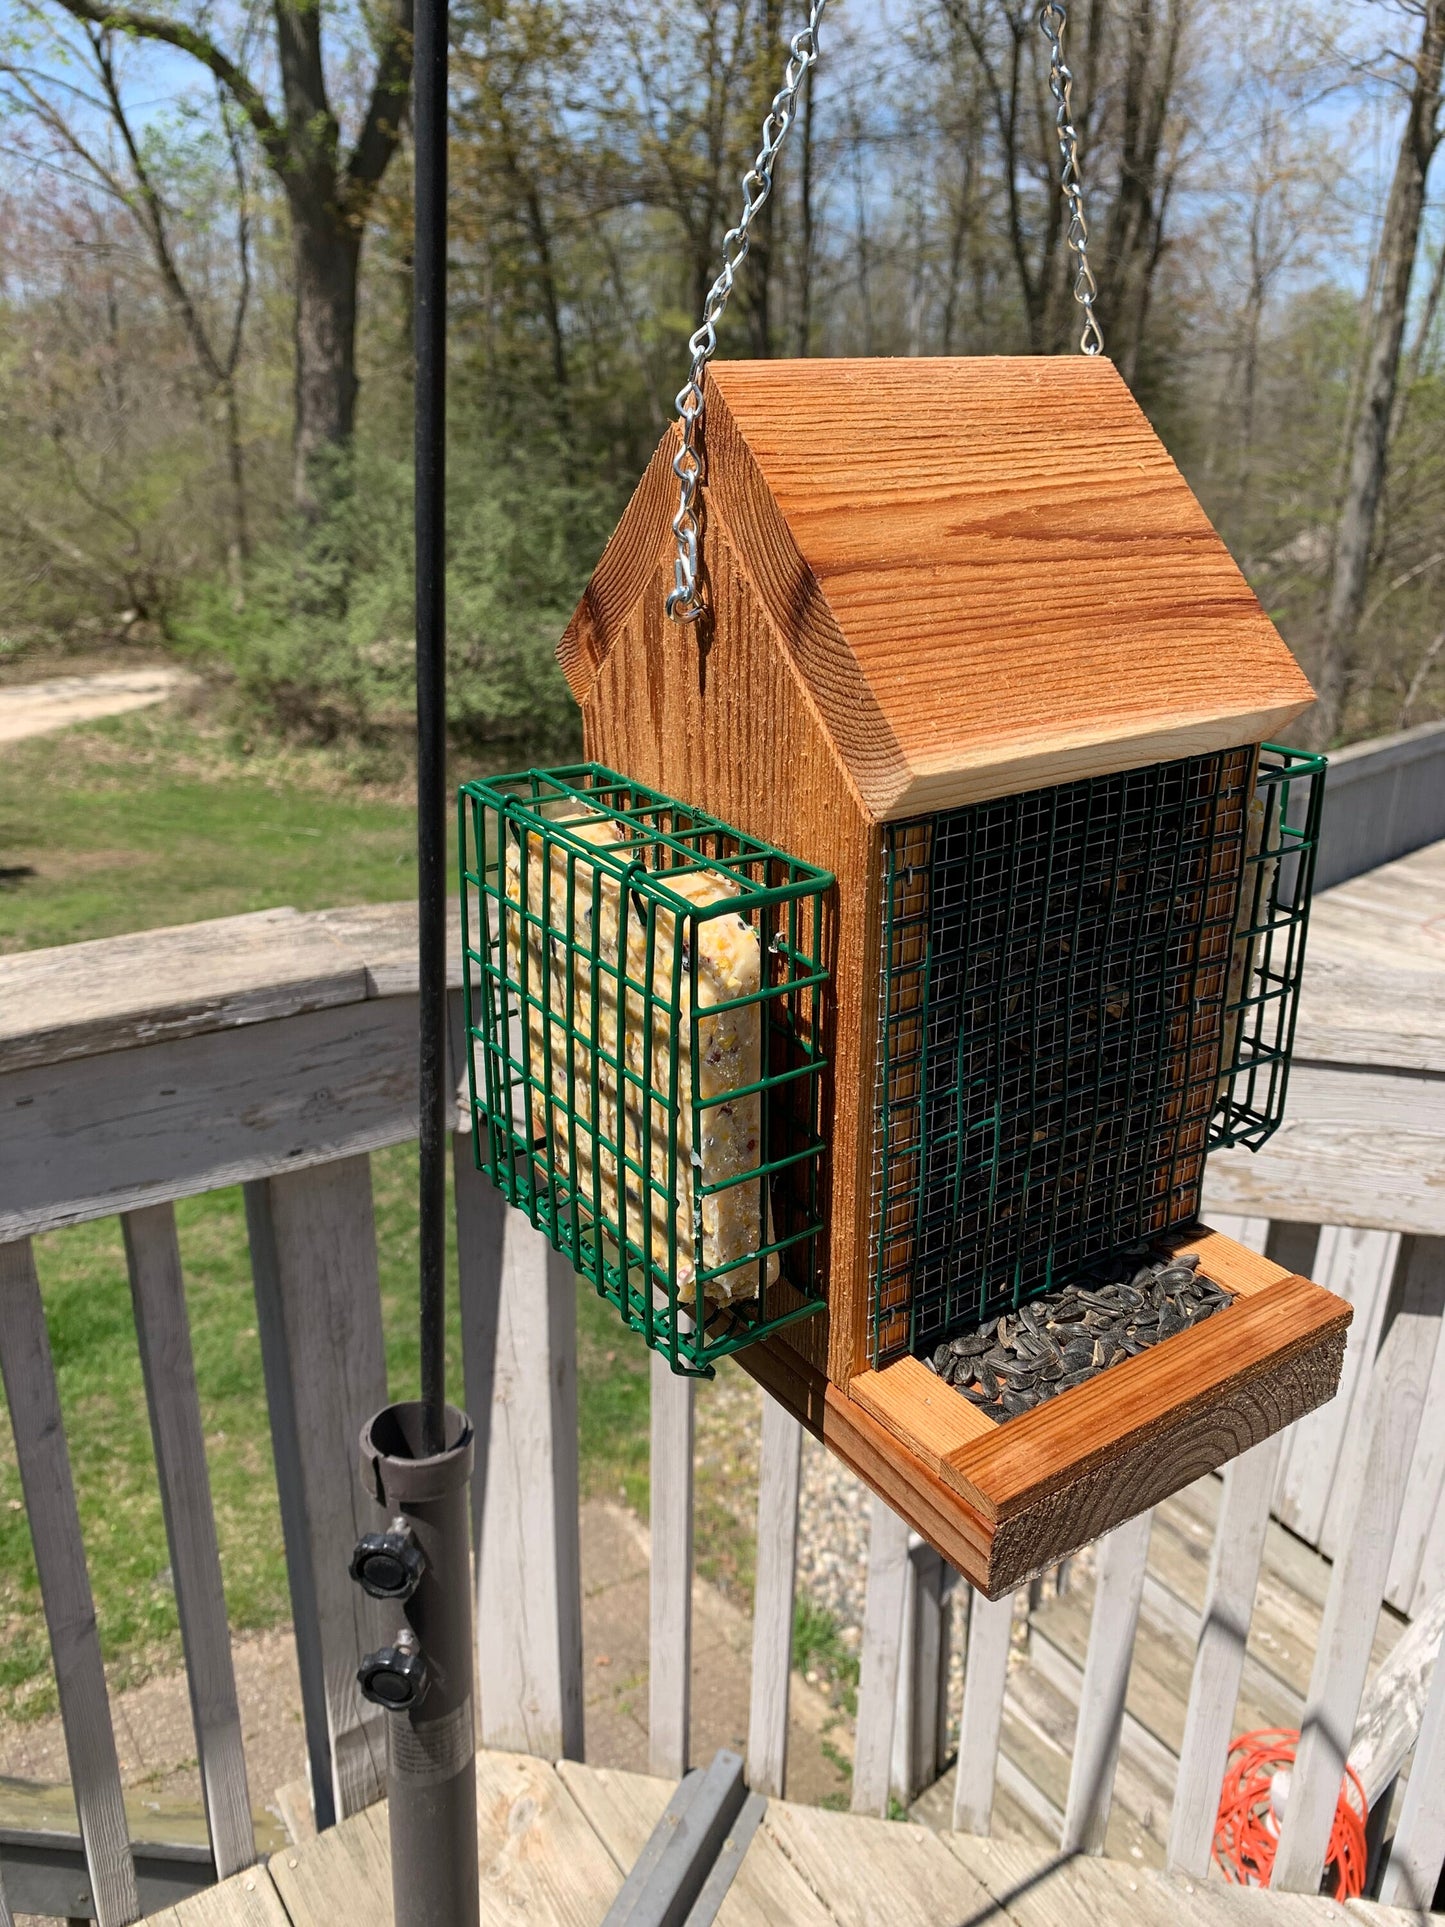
[{"x": 1005, "y": 1497}]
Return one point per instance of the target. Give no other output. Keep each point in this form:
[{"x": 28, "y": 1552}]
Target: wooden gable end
[{"x": 721, "y": 717}]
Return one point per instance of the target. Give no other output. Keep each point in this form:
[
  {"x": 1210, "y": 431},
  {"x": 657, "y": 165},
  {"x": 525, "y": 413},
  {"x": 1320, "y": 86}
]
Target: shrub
[{"x": 325, "y": 642}]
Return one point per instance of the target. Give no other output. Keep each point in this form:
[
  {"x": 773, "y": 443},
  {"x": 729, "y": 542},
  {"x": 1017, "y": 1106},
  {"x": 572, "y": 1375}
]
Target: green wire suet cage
[{"x": 646, "y": 1006}]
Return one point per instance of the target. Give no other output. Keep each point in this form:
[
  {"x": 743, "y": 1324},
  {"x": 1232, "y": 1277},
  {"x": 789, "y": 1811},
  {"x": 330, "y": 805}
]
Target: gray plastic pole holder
[{"x": 431, "y": 1748}]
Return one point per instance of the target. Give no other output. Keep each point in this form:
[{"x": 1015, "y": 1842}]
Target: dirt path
[{"x": 34, "y": 709}]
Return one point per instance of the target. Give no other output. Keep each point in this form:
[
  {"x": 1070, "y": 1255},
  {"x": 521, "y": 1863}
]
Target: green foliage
[
  {"x": 613, "y": 1405},
  {"x": 819, "y": 1648},
  {"x": 325, "y": 643}
]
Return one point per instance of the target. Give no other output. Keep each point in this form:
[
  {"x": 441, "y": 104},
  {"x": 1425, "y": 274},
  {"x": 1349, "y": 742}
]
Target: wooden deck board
[
  {"x": 554, "y": 1842},
  {"x": 344, "y": 1874},
  {"x": 623, "y": 1808},
  {"x": 247, "y": 1899},
  {"x": 1033, "y": 1889},
  {"x": 1362, "y": 1140},
  {"x": 542, "y": 1862},
  {"x": 875, "y": 1873},
  {"x": 540, "y": 1855},
  {"x": 1050, "y": 1890}
]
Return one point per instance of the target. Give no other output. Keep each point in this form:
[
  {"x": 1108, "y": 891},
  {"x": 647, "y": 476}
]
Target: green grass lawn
[{"x": 149, "y": 819}]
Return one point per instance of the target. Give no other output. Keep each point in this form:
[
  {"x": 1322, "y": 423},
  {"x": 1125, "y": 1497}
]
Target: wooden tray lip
[
  {"x": 960, "y": 1523},
  {"x": 942, "y": 1513},
  {"x": 1000, "y": 1469}
]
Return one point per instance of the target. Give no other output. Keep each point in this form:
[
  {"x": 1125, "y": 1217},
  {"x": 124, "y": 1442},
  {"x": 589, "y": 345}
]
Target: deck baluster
[
  {"x": 318, "y": 1314},
  {"x": 1360, "y": 1266},
  {"x": 985, "y": 1677},
  {"x": 163, "y": 1333},
  {"x": 669, "y": 1665},
  {"x": 529, "y": 1572},
  {"x": 1219, "y": 1657},
  {"x": 921, "y": 1718},
  {"x": 780, "y": 1467},
  {"x": 882, "y": 1649},
  {"x": 30, "y": 1390},
  {"x": 481, "y": 1217},
  {"x": 1123, "y": 1555},
  {"x": 1374, "y": 1497},
  {"x": 1417, "y": 1858},
  {"x": 1417, "y": 1565}
]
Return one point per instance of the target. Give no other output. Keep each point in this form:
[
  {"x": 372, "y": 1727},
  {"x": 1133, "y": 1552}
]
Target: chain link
[
  {"x": 685, "y": 603},
  {"x": 1054, "y": 20}
]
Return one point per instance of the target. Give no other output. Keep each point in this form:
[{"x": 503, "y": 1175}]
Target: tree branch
[
  {"x": 151, "y": 212},
  {"x": 243, "y": 235},
  {"x": 381, "y": 130},
  {"x": 175, "y": 33}
]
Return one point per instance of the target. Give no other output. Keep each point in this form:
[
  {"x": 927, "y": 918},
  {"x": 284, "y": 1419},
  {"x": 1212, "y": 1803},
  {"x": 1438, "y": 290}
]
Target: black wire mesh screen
[{"x": 1053, "y": 1021}]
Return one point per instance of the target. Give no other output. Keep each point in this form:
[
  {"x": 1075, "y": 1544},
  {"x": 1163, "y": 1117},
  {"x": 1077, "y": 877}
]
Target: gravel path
[
  {"x": 833, "y": 1539},
  {"x": 34, "y": 709}
]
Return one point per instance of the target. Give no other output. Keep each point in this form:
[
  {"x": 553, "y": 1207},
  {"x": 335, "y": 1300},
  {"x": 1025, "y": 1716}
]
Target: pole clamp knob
[
  {"x": 390, "y": 1564},
  {"x": 396, "y": 1676}
]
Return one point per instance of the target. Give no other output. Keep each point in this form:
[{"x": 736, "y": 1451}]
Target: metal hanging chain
[
  {"x": 684, "y": 603},
  {"x": 1054, "y": 20}
]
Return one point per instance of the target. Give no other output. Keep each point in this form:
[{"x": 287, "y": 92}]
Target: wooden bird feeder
[{"x": 976, "y": 664}]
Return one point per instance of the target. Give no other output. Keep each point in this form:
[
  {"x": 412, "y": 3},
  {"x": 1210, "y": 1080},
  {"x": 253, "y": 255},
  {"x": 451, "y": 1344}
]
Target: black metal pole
[
  {"x": 430, "y": 268},
  {"x": 417, "y": 1456}
]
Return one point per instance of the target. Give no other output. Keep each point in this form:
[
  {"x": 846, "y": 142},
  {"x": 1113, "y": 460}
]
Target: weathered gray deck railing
[{"x": 278, "y": 1051}]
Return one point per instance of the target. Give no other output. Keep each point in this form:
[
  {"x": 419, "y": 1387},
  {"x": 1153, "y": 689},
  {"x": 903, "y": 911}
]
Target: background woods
[{"x": 205, "y": 260}]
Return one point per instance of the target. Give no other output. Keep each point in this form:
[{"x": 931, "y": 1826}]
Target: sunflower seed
[{"x": 1115, "y": 1310}]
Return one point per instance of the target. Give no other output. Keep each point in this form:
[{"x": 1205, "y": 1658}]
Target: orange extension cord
[{"x": 1247, "y": 1832}]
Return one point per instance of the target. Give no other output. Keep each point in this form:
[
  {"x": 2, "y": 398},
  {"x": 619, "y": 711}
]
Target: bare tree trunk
[
  {"x": 1003, "y": 84},
  {"x": 529, "y": 197},
  {"x": 1428, "y": 317},
  {"x": 547, "y": 278},
  {"x": 1370, "y": 442},
  {"x": 218, "y": 365},
  {"x": 238, "y": 549},
  {"x": 959, "y": 231},
  {"x": 760, "y": 265},
  {"x": 1134, "y": 243},
  {"x": 325, "y": 261},
  {"x": 862, "y": 245},
  {"x": 328, "y": 195}
]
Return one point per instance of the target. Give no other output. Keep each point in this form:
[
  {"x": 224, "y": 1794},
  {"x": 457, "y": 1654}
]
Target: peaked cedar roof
[{"x": 988, "y": 571}]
